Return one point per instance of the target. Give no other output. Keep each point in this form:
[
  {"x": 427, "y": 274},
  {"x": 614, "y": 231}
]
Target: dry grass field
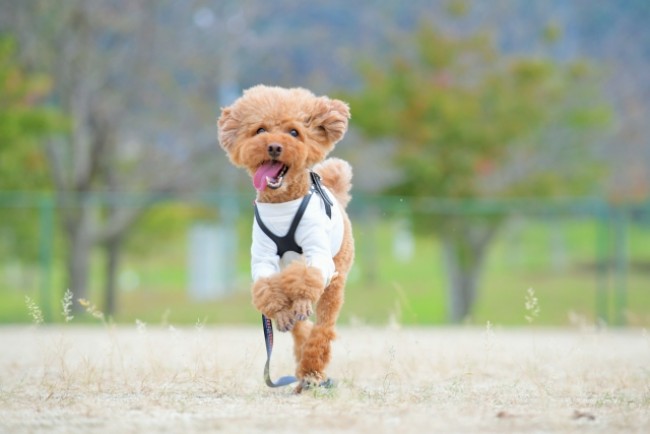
[{"x": 83, "y": 379}]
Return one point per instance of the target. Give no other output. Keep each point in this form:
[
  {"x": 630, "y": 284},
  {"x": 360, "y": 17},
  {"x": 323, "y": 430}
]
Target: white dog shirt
[{"x": 319, "y": 236}]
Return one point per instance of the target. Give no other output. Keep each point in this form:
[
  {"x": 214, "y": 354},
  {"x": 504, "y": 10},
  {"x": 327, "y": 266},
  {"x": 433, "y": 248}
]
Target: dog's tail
[{"x": 337, "y": 176}]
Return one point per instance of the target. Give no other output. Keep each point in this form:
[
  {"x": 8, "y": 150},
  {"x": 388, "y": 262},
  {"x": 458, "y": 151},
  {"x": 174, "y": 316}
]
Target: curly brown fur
[{"x": 306, "y": 127}]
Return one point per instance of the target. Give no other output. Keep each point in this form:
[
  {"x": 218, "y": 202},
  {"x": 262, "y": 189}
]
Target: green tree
[
  {"x": 24, "y": 123},
  {"x": 469, "y": 122},
  {"x": 125, "y": 93}
]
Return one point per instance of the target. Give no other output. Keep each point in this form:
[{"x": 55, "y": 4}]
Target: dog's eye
[
  {"x": 260, "y": 131},
  {"x": 294, "y": 132}
]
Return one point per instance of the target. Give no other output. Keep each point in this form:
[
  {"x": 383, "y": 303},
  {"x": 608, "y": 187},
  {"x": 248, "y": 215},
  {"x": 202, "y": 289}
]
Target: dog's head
[{"x": 276, "y": 133}]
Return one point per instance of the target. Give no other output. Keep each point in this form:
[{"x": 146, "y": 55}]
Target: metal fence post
[
  {"x": 602, "y": 265},
  {"x": 620, "y": 264},
  {"x": 46, "y": 224}
]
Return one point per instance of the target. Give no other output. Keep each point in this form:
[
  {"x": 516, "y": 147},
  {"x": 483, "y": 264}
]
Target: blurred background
[{"x": 501, "y": 153}]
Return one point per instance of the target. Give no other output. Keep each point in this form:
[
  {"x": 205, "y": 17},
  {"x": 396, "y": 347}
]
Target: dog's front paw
[
  {"x": 268, "y": 298},
  {"x": 284, "y": 320},
  {"x": 300, "y": 281},
  {"x": 302, "y": 309}
]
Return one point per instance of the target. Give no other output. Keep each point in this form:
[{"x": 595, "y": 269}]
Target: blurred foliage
[
  {"x": 461, "y": 114},
  {"x": 457, "y": 8},
  {"x": 24, "y": 123},
  {"x": 469, "y": 122},
  {"x": 164, "y": 221}
]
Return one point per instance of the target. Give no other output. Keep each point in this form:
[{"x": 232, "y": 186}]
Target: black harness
[{"x": 287, "y": 243}]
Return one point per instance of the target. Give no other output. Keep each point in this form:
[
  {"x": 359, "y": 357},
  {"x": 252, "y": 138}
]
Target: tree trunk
[
  {"x": 79, "y": 252},
  {"x": 464, "y": 251},
  {"x": 113, "y": 248}
]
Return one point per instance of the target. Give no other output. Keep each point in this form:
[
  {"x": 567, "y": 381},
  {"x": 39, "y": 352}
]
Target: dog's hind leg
[{"x": 316, "y": 351}]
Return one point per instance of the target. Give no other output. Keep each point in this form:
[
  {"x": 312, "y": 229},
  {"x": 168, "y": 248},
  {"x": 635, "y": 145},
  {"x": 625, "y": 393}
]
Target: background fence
[{"x": 187, "y": 260}]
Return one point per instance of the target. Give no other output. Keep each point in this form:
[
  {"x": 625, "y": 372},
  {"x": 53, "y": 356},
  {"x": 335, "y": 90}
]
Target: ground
[{"x": 104, "y": 379}]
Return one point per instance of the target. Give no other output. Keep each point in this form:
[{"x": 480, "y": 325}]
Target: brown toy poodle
[{"x": 302, "y": 246}]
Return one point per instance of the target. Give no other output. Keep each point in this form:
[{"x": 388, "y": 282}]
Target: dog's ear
[
  {"x": 329, "y": 119},
  {"x": 228, "y": 127}
]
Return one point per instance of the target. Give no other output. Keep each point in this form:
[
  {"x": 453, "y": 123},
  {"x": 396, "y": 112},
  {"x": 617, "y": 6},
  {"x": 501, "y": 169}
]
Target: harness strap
[
  {"x": 316, "y": 185},
  {"x": 296, "y": 220},
  {"x": 286, "y": 243}
]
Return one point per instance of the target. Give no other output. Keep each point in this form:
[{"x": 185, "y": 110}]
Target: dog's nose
[{"x": 274, "y": 149}]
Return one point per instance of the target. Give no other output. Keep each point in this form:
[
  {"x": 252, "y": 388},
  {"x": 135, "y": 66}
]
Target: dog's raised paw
[
  {"x": 284, "y": 320},
  {"x": 302, "y": 309}
]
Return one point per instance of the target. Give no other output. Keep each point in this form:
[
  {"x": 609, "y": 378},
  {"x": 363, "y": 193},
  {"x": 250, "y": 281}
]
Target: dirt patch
[{"x": 199, "y": 380}]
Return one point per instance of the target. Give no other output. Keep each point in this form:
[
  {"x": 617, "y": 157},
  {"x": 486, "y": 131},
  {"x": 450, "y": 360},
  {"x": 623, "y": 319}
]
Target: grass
[
  {"x": 555, "y": 258},
  {"x": 142, "y": 378}
]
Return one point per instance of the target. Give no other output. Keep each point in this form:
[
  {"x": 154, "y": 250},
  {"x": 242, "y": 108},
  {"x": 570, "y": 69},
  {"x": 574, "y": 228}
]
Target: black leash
[
  {"x": 268, "y": 338},
  {"x": 288, "y": 379}
]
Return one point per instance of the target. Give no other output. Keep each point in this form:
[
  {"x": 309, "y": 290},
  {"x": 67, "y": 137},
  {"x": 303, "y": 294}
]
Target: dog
[{"x": 302, "y": 248}]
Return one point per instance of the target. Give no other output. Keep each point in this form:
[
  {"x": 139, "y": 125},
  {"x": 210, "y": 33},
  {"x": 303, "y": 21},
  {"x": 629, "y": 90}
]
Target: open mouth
[{"x": 270, "y": 174}]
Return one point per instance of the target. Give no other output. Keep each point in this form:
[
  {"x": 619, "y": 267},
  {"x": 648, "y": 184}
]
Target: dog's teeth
[{"x": 274, "y": 184}]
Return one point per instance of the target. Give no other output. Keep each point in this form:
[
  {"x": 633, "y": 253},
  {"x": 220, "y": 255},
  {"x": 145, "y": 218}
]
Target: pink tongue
[{"x": 271, "y": 169}]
